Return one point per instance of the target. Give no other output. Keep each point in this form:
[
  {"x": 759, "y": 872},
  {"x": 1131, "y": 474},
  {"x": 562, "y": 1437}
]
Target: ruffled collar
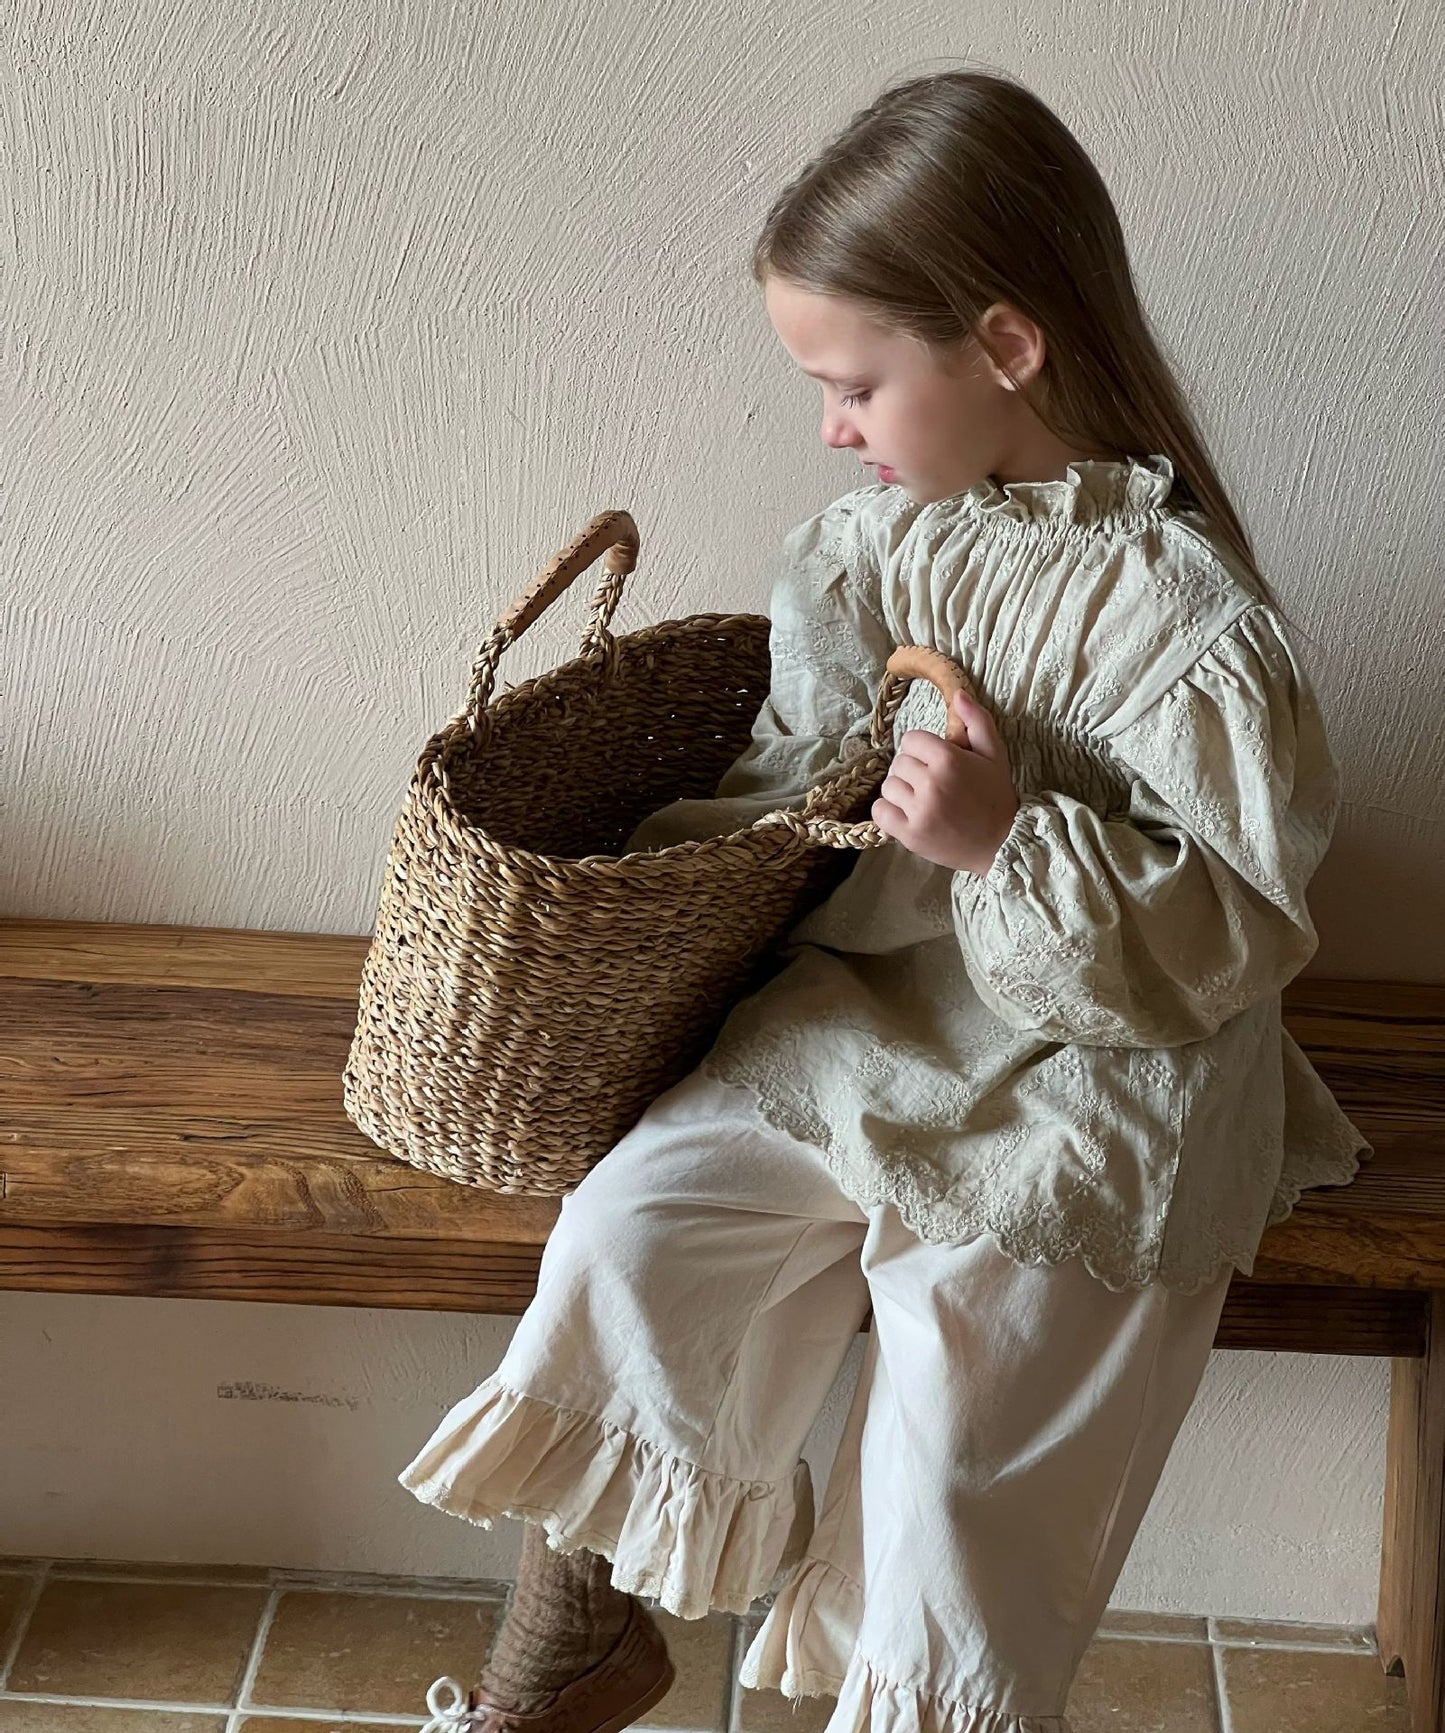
[{"x": 1090, "y": 493}]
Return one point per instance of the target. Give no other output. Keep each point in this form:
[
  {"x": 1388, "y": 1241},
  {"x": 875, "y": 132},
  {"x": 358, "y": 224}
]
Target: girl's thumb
[{"x": 983, "y": 737}]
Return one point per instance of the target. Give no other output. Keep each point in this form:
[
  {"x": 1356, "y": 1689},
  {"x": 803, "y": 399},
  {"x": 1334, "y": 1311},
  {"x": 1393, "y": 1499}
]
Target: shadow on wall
[
  {"x": 1370, "y": 899},
  {"x": 1373, "y": 896},
  {"x": 201, "y": 858}
]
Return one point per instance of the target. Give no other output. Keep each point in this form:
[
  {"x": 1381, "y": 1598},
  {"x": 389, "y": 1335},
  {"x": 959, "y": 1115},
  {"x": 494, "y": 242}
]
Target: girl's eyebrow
[{"x": 827, "y": 379}]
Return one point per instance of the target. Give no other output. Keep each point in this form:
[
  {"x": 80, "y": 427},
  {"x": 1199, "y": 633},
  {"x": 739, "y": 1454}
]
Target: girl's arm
[
  {"x": 829, "y": 647},
  {"x": 1153, "y": 926}
]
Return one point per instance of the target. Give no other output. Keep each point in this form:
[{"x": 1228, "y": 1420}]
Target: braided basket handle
[
  {"x": 612, "y": 534},
  {"x": 918, "y": 662},
  {"x": 908, "y": 662}
]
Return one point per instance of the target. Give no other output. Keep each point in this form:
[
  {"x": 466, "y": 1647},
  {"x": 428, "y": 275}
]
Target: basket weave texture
[{"x": 529, "y": 988}]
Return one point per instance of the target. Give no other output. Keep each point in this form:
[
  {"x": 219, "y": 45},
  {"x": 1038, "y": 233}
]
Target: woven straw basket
[{"x": 529, "y": 988}]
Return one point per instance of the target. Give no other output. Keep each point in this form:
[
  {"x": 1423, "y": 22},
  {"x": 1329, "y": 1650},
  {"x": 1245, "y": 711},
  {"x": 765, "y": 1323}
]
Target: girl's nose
[{"x": 837, "y": 431}]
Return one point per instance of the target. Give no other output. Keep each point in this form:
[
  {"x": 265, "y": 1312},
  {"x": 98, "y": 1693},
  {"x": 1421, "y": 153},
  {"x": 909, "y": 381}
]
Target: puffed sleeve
[
  {"x": 829, "y": 647},
  {"x": 1153, "y": 926}
]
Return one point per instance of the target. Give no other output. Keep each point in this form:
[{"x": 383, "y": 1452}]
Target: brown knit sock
[{"x": 563, "y": 1618}]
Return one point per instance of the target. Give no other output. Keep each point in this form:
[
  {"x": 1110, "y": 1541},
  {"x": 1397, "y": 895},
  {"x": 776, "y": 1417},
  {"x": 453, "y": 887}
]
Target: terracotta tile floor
[{"x": 101, "y": 1647}]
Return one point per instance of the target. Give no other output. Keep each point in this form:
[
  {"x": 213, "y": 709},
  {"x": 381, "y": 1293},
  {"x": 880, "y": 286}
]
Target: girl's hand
[{"x": 951, "y": 804}]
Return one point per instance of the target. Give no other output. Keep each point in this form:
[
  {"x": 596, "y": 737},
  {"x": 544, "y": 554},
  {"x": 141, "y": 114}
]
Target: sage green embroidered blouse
[{"x": 1079, "y": 1052}]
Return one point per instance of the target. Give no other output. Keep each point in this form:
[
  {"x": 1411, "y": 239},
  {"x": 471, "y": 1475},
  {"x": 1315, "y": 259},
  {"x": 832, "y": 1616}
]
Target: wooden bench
[{"x": 171, "y": 1124}]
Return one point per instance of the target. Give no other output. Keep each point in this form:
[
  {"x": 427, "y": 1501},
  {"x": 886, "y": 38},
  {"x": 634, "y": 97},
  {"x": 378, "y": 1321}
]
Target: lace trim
[
  {"x": 1137, "y": 1256},
  {"x": 1338, "y": 1164}
]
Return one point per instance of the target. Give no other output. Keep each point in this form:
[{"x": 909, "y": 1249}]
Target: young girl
[{"x": 1021, "y": 1086}]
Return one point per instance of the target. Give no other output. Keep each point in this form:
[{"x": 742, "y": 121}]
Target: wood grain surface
[{"x": 171, "y": 1122}]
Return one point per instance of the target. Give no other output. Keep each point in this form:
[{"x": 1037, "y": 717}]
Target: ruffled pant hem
[
  {"x": 689, "y": 1537},
  {"x": 869, "y": 1703},
  {"x": 806, "y": 1648},
  {"x": 806, "y": 1643}
]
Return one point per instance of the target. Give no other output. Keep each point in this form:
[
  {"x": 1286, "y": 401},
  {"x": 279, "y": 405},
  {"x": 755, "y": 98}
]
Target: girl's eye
[{"x": 856, "y": 397}]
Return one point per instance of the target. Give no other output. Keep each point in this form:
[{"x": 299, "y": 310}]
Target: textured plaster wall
[{"x": 324, "y": 325}]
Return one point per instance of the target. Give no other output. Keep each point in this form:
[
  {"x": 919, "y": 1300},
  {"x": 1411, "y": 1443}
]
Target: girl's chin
[{"x": 926, "y": 493}]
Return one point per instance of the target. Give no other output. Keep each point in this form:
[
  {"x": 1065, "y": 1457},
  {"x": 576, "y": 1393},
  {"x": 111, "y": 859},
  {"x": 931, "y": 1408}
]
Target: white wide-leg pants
[{"x": 696, "y": 1301}]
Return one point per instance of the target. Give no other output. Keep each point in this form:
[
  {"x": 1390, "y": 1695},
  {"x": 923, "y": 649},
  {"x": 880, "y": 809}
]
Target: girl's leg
[
  {"x": 1007, "y": 1436},
  {"x": 695, "y": 1301},
  {"x": 811, "y": 1630},
  {"x": 564, "y": 1618}
]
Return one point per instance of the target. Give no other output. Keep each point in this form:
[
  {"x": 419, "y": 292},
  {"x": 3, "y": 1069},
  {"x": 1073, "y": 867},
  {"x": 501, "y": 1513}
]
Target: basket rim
[
  {"x": 713, "y": 851},
  {"x": 539, "y": 685},
  {"x": 475, "y": 840}
]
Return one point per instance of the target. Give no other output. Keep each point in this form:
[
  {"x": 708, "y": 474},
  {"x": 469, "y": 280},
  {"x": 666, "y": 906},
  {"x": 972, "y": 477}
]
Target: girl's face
[{"x": 934, "y": 421}]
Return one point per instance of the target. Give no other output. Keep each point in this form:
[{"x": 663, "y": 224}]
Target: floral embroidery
[{"x": 1080, "y": 1052}]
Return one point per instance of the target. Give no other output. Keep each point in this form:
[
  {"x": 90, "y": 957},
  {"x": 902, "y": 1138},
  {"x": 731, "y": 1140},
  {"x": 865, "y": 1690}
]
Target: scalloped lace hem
[
  {"x": 1337, "y": 1167},
  {"x": 1217, "y": 1243},
  {"x": 1192, "y": 1260},
  {"x": 689, "y": 1537}
]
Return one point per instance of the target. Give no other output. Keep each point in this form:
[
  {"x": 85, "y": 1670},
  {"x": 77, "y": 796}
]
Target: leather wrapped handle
[
  {"x": 917, "y": 662},
  {"x": 613, "y": 535}
]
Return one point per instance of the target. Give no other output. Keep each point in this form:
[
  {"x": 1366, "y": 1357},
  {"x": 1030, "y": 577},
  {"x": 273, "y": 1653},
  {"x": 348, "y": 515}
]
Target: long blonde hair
[{"x": 956, "y": 190}]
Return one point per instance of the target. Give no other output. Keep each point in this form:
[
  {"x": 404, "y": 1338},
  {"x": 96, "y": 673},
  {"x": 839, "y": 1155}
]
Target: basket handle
[
  {"x": 908, "y": 662},
  {"x": 612, "y": 534},
  {"x": 917, "y": 662}
]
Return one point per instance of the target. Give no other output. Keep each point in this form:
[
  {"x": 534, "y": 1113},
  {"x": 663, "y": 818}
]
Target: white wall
[
  {"x": 325, "y": 324},
  {"x": 204, "y": 1432}
]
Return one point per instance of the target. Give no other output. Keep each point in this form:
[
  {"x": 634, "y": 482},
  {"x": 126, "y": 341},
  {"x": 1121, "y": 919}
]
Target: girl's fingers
[
  {"x": 983, "y": 736},
  {"x": 917, "y": 750},
  {"x": 887, "y": 816}
]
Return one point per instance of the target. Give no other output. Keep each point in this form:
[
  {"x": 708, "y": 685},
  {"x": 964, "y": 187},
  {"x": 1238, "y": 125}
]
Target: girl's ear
[{"x": 1018, "y": 342}]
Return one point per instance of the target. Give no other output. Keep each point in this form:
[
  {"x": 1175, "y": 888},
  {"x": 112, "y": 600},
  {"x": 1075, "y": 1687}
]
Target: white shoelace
[{"x": 448, "y": 1704}]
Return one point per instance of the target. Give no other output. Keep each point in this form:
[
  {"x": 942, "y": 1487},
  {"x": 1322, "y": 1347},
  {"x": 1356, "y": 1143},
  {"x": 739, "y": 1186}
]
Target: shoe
[{"x": 634, "y": 1675}]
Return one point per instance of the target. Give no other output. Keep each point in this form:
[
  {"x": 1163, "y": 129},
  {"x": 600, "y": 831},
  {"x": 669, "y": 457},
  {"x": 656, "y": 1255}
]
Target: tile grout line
[
  {"x": 732, "y": 1701},
  {"x": 492, "y": 1592},
  {"x": 22, "y": 1623},
  {"x": 1221, "y": 1688},
  {"x": 342, "y": 1717},
  {"x": 280, "y": 1580},
  {"x": 357, "y": 1582},
  {"x": 242, "y": 1706},
  {"x": 170, "y": 1707},
  {"x": 223, "y": 1710},
  {"x": 309, "y": 1581},
  {"x": 1319, "y": 1648}
]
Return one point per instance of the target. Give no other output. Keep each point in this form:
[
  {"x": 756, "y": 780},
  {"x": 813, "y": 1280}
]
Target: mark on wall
[{"x": 247, "y": 1391}]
